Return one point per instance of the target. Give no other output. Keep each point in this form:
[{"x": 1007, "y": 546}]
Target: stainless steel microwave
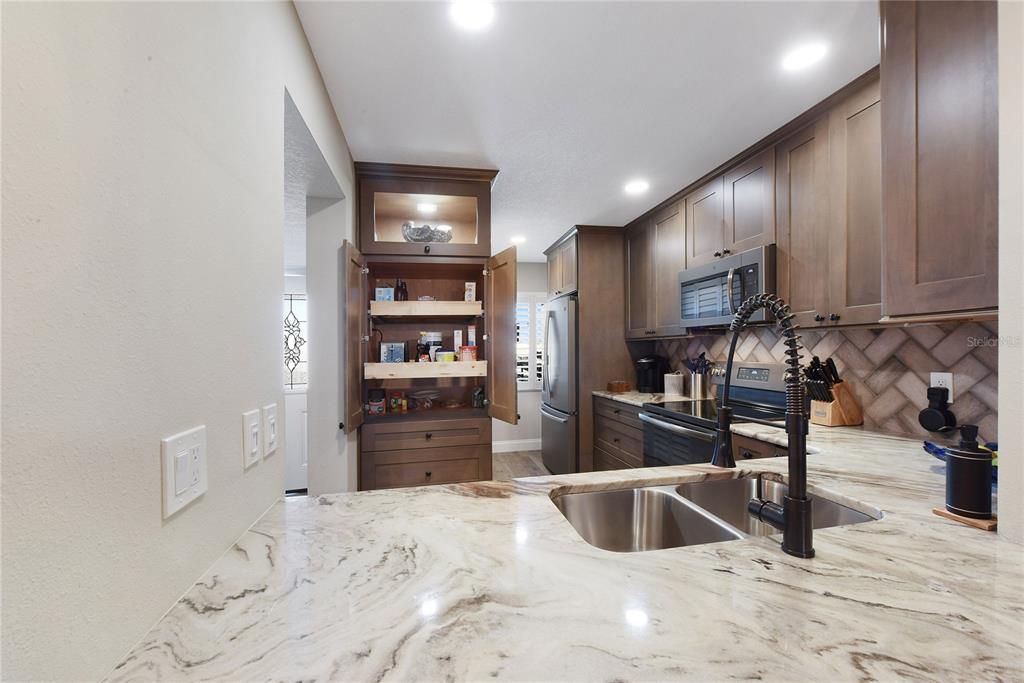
[{"x": 709, "y": 295}]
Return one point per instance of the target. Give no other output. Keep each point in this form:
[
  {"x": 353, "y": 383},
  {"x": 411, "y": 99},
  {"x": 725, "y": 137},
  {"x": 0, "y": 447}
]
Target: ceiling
[{"x": 569, "y": 100}]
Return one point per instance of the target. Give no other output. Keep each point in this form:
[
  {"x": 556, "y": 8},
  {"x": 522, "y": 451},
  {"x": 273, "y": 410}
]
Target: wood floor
[{"x": 516, "y": 464}]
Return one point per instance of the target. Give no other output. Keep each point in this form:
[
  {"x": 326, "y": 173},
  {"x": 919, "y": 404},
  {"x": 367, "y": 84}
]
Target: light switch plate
[
  {"x": 183, "y": 459},
  {"x": 270, "y": 429},
  {"x": 251, "y": 439}
]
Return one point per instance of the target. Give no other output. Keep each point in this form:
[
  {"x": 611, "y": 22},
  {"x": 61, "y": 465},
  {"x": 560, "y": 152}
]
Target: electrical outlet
[
  {"x": 269, "y": 429},
  {"x": 183, "y": 459},
  {"x": 251, "y": 439},
  {"x": 944, "y": 380}
]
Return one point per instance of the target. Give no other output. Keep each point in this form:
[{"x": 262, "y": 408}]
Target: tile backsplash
[{"x": 887, "y": 368}]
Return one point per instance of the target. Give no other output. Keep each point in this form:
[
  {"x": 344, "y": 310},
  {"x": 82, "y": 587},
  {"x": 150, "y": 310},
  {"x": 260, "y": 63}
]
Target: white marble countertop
[
  {"x": 636, "y": 398},
  {"x": 488, "y": 580}
]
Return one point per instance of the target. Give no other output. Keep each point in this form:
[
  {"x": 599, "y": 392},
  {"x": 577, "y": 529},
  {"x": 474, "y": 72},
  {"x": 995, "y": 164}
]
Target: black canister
[{"x": 969, "y": 477}]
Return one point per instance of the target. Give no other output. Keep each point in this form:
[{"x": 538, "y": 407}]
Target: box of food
[
  {"x": 384, "y": 294},
  {"x": 392, "y": 352}
]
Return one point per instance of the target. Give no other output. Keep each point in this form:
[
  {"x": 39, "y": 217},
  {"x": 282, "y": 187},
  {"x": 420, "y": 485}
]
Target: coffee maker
[{"x": 650, "y": 374}]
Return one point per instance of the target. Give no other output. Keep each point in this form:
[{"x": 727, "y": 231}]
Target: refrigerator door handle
[
  {"x": 546, "y": 370},
  {"x": 551, "y": 416}
]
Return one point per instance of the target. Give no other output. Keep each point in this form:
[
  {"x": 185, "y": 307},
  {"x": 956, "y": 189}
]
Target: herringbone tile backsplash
[{"x": 887, "y": 368}]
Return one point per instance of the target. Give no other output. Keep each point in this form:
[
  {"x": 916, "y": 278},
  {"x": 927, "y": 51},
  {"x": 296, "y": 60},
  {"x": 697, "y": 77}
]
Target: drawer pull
[
  {"x": 428, "y": 474},
  {"x": 617, "y": 411},
  {"x": 615, "y": 440},
  {"x": 429, "y": 435}
]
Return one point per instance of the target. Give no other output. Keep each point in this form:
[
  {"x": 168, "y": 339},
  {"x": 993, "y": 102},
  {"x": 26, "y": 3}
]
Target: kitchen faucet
[{"x": 793, "y": 517}]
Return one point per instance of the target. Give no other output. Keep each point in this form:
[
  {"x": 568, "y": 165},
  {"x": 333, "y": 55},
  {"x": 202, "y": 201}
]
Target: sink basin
[
  {"x": 656, "y": 517},
  {"x": 727, "y": 499},
  {"x": 648, "y": 518}
]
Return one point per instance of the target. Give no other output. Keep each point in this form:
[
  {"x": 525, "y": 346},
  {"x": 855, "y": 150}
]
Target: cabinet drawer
[
  {"x": 621, "y": 412},
  {"x": 604, "y": 461},
  {"x": 417, "y": 467},
  {"x": 745, "y": 448},
  {"x": 383, "y": 436},
  {"x": 620, "y": 440}
]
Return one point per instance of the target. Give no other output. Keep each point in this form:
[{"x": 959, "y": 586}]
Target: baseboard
[{"x": 516, "y": 445}]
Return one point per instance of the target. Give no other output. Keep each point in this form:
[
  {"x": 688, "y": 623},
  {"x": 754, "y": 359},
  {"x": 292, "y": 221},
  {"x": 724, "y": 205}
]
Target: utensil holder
[
  {"x": 700, "y": 386},
  {"x": 844, "y": 411}
]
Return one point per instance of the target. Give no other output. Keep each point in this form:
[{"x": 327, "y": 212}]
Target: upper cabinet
[
  {"x": 939, "y": 157},
  {"x": 562, "y": 266},
  {"x": 424, "y": 210},
  {"x": 749, "y": 200},
  {"x": 655, "y": 253},
  {"x": 705, "y": 222}
]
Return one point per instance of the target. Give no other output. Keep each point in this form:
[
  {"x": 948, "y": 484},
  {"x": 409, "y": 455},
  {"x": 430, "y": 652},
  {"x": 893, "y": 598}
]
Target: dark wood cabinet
[
  {"x": 424, "y": 210},
  {"x": 354, "y": 337},
  {"x": 705, "y": 223},
  {"x": 638, "y": 281},
  {"x": 500, "y": 337},
  {"x": 801, "y": 184},
  {"x": 618, "y": 435},
  {"x": 749, "y": 201},
  {"x": 656, "y": 252},
  {"x": 855, "y": 206},
  {"x": 562, "y": 267},
  {"x": 939, "y": 157}
]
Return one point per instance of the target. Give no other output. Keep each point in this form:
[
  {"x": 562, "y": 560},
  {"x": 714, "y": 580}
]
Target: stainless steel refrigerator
[{"x": 559, "y": 389}]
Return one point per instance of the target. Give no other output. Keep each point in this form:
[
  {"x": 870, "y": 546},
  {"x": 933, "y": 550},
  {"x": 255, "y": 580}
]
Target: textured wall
[
  {"x": 888, "y": 369},
  {"x": 142, "y": 269}
]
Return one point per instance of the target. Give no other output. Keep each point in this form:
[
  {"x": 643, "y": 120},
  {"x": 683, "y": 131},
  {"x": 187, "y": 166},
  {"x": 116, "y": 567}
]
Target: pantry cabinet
[
  {"x": 939, "y": 157},
  {"x": 439, "y": 430}
]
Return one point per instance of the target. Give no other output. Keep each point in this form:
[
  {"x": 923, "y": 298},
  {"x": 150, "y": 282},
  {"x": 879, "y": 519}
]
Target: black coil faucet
[{"x": 793, "y": 517}]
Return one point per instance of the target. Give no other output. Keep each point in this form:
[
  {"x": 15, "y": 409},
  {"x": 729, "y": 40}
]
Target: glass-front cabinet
[{"x": 417, "y": 210}]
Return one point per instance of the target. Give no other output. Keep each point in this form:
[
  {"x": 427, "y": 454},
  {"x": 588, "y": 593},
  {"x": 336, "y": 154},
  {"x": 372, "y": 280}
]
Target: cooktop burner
[{"x": 705, "y": 412}]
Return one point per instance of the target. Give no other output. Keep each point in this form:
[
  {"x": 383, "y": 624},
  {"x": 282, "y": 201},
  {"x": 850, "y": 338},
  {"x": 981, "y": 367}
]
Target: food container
[
  {"x": 444, "y": 356},
  {"x": 392, "y": 352},
  {"x": 377, "y": 402},
  {"x": 432, "y": 341},
  {"x": 470, "y": 291},
  {"x": 384, "y": 293},
  {"x": 467, "y": 353},
  {"x": 674, "y": 384}
]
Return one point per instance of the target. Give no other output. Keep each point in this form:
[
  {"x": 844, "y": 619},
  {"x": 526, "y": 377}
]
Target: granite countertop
[
  {"x": 636, "y": 398},
  {"x": 488, "y": 580}
]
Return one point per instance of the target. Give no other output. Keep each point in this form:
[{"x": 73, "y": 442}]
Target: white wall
[
  {"x": 530, "y": 277},
  {"x": 141, "y": 281},
  {"x": 1011, "y": 253}
]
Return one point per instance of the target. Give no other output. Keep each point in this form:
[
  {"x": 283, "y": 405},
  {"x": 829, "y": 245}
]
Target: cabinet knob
[
  {"x": 834, "y": 317},
  {"x": 818, "y": 317},
  {"x": 341, "y": 425},
  {"x": 426, "y": 249},
  {"x": 746, "y": 455},
  {"x": 428, "y": 473},
  {"x": 726, "y": 251},
  {"x": 717, "y": 254},
  {"x": 429, "y": 435},
  {"x": 615, "y": 440}
]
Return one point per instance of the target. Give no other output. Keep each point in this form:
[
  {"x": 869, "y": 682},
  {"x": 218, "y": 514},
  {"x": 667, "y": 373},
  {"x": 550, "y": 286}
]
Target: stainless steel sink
[
  {"x": 656, "y": 517},
  {"x": 727, "y": 499},
  {"x": 649, "y": 518}
]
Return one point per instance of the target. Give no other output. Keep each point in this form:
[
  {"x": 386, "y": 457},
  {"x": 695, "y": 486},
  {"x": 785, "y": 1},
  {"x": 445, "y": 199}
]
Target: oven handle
[{"x": 685, "y": 431}]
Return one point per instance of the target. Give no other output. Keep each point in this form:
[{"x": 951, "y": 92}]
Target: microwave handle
[{"x": 728, "y": 290}]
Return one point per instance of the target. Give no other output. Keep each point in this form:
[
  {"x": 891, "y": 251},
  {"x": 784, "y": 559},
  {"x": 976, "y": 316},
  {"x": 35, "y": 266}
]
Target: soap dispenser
[{"x": 969, "y": 477}]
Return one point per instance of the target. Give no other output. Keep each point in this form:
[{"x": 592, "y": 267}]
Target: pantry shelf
[
  {"x": 425, "y": 370},
  {"x": 426, "y": 309}
]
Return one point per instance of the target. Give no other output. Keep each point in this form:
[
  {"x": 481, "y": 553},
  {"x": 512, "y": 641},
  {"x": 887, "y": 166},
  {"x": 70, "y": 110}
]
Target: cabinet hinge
[
  {"x": 365, "y": 271},
  {"x": 485, "y": 337},
  {"x": 486, "y": 272},
  {"x": 487, "y": 401},
  {"x": 366, "y": 338}
]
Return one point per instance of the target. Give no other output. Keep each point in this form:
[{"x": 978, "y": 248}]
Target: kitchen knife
[{"x": 833, "y": 371}]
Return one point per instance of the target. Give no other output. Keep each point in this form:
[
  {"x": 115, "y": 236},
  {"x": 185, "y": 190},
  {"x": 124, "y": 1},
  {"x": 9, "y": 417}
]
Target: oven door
[{"x": 670, "y": 443}]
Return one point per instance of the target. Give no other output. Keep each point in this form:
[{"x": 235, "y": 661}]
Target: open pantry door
[
  {"x": 500, "y": 311},
  {"x": 354, "y": 334}
]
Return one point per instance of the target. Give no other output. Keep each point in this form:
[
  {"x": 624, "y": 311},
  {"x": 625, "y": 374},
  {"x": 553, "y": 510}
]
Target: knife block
[{"x": 844, "y": 411}]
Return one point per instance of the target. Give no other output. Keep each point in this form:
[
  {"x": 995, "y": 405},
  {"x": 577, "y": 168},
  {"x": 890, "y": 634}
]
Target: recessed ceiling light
[
  {"x": 518, "y": 239},
  {"x": 637, "y": 186},
  {"x": 426, "y": 207},
  {"x": 472, "y": 15},
  {"x": 804, "y": 56}
]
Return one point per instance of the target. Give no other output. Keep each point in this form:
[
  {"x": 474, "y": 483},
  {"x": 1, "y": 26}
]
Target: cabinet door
[
  {"x": 939, "y": 157},
  {"x": 567, "y": 263},
  {"x": 500, "y": 307},
  {"x": 668, "y": 236},
  {"x": 750, "y": 204},
  {"x": 855, "y": 176},
  {"x": 801, "y": 185},
  {"x": 638, "y": 281},
  {"x": 705, "y": 216},
  {"x": 554, "y": 273},
  {"x": 356, "y": 327}
]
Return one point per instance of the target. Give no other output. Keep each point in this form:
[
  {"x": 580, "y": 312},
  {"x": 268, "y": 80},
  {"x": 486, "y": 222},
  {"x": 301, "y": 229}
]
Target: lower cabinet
[
  {"x": 618, "y": 438},
  {"x": 745, "y": 448},
  {"x": 399, "y": 452}
]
